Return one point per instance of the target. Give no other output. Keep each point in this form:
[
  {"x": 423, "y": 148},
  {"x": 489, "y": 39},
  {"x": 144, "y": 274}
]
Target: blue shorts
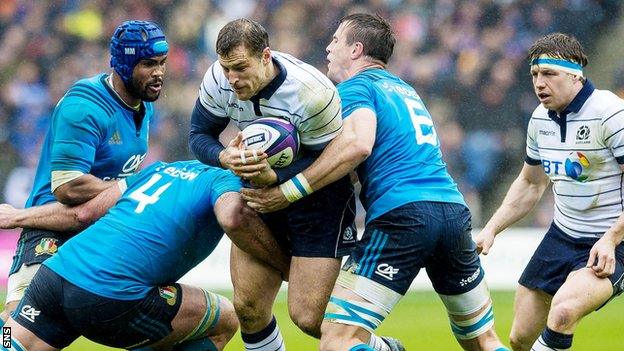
[
  {"x": 37, "y": 245},
  {"x": 433, "y": 235},
  {"x": 319, "y": 225},
  {"x": 58, "y": 311},
  {"x": 560, "y": 254}
]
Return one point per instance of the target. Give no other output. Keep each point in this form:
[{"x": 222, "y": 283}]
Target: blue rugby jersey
[
  {"x": 163, "y": 226},
  {"x": 406, "y": 163},
  {"x": 92, "y": 131}
]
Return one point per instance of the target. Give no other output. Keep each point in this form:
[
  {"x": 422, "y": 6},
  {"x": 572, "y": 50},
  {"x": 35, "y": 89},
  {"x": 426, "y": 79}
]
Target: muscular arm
[
  {"x": 521, "y": 197},
  {"x": 204, "y": 135},
  {"x": 58, "y": 217},
  {"x": 81, "y": 189},
  {"x": 346, "y": 151},
  {"x": 615, "y": 234}
]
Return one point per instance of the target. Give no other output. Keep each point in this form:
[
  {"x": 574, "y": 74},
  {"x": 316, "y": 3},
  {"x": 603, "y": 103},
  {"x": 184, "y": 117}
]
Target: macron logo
[
  {"x": 29, "y": 313},
  {"x": 129, "y": 51}
]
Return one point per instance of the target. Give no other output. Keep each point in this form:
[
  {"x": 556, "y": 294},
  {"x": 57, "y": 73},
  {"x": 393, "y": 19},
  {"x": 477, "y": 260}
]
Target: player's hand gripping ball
[{"x": 274, "y": 136}]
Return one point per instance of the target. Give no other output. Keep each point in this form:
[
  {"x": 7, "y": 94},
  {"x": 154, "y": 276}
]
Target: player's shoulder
[
  {"x": 87, "y": 95},
  {"x": 539, "y": 113},
  {"x": 301, "y": 73},
  {"x": 604, "y": 103},
  {"x": 215, "y": 80}
]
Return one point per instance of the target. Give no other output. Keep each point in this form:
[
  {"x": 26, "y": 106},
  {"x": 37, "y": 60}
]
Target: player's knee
[
  {"x": 308, "y": 321},
  {"x": 472, "y": 315},
  {"x": 228, "y": 321},
  {"x": 248, "y": 311},
  {"x": 562, "y": 315},
  {"x": 520, "y": 342},
  {"x": 232, "y": 216}
]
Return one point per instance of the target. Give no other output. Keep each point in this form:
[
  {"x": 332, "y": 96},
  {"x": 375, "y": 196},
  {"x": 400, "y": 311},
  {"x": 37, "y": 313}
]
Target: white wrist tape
[{"x": 296, "y": 188}]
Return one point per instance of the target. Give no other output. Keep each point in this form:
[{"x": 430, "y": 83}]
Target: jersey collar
[
  {"x": 274, "y": 84},
  {"x": 576, "y": 104},
  {"x": 116, "y": 97}
]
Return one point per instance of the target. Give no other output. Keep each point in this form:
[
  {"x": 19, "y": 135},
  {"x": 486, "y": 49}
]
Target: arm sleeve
[
  {"x": 355, "y": 94},
  {"x": 204, "y": 135},
  {"x": 284, "y": 174},
  {"x": 532, "y": 151},
  {"x": 613, "y": 133},
  {"x": 322, "y": 121},
  {"x": 223, "y": 183},
  {"x": 77, "y": 135}
]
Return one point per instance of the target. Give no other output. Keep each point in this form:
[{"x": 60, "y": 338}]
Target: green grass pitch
[{"x": 420, "y": 322}]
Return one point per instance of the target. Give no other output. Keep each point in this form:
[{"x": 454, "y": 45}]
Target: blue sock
[
  {"x": 557, "y": 340},
  {"x": 361, "y": 347},
  {"x": 502, "y": 348},
  {"x": 1, "y": 323},
  {"x": 204, "y": 344}
]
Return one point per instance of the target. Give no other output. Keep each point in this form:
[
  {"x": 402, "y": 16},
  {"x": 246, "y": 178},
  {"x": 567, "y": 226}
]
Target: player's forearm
[
  {"x": 54, "y": 216},
  {"x": 616, "y": 232},
  {"x": 519, "y": 201},
  {"x": 81, "y": 189},
  {"x": 204, "y": 135},
  {"x": 338, "y": 159}
]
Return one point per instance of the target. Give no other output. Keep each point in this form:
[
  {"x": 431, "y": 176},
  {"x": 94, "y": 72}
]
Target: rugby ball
[{"x": 274, "y": 136}]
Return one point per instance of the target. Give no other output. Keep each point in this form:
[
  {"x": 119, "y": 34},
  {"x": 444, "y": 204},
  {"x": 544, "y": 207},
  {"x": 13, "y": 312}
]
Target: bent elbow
[
  {"x": 361, "y": 151},
  {"x": 67, "y": 197}
]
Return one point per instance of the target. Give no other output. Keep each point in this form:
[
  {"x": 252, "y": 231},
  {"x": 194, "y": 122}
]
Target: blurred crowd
[{"x": 466, "y": 58}]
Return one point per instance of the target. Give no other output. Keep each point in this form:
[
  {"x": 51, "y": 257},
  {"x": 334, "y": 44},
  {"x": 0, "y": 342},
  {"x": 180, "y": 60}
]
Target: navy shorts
[
  {"x": 58, "y": 311},
  {"x": 433, "y": 235},
  {"x": 560, "y": 254},
  {"x": 37, "y": 245},
  {"x": 319, "y": 225}
]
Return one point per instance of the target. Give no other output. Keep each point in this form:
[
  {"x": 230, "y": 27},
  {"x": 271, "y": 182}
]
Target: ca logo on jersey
[
  {"x": 387, "y": 271},
  {"x": 133, "y": 163},
  {"x": 29, "y": 313}
]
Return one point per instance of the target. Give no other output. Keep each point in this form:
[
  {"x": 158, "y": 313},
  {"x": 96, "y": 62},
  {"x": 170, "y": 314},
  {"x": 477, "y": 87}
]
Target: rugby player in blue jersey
[
  {"x": 575, "y": 138},
  {"x": 115, "y": 283},
  {"x": 416, "y": 217},
  {"x": 98, "y": 134}
]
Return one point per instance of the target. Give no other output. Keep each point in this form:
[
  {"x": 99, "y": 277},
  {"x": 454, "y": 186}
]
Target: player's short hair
[
  {"x": 244, "y": 32},
  {"x": 559, "y": 45},
  {"x": 374, "y": 32}
]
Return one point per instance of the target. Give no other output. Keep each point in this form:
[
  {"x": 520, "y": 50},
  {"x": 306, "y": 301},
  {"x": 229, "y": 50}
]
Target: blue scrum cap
[{"x": 132, "y": 42}]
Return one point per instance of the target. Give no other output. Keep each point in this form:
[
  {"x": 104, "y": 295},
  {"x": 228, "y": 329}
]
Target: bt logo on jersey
[
  {"x": 575, "y": 166},
  {"x": 551, "y": 167}
]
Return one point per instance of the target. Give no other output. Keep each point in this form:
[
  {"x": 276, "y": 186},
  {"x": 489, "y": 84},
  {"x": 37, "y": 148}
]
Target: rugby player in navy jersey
[
  {"x": 98, "y": 134},
  {"x": 415, "y": 215}
]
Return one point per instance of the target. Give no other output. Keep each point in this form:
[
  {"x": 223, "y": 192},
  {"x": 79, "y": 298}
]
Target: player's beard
[{"x": 140, "y": 92}]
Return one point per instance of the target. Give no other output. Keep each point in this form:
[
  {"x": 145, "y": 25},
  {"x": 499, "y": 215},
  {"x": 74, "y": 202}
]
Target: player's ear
[
  {"x": 266, "y": 55},
  {"x": 357, "y": 50}
]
